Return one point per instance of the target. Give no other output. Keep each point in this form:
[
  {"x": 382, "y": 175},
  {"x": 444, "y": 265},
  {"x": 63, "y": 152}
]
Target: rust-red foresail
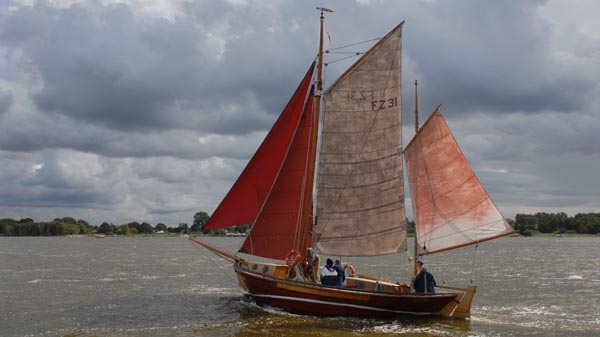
[
  {"x": 282, "y": 221},
  {"x": 451, "y": 207},
  {"x": 244, "y": 201}
]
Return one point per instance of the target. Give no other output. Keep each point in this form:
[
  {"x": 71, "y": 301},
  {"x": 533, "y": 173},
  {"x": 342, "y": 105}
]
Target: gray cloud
[
  {"x": 113, "y": 112},
  {"x": 102, "y": 64},
  {"x": 495, "y": 57},
  {"x": 6, "y": 100}
]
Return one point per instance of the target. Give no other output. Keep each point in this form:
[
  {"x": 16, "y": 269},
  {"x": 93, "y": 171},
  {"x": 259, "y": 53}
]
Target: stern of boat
[{"x": 460, "y": 307}]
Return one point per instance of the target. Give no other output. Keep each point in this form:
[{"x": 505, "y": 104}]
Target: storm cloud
[{"x": 126, "y": 111}]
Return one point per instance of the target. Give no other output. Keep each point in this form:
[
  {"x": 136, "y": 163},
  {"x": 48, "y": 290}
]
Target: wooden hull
[{"x": 270, "y": 288}]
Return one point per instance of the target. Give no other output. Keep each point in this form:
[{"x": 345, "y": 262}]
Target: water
[{"x": 144, "y": 286}]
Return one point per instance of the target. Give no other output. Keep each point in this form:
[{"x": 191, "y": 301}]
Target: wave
[{"x": 554, "y": 318}]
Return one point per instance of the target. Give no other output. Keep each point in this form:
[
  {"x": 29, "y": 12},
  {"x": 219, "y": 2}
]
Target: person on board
[
  {"x": 328, "y": 274},
  {"x": 424, "y": 282},
  {"x": 419, "y": 266},
  {"x": 312, "y": 265},
  {"x": 341, "y": 273}
]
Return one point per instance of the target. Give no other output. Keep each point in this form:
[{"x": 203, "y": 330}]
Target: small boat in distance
[{"x": 334, "y": 183}]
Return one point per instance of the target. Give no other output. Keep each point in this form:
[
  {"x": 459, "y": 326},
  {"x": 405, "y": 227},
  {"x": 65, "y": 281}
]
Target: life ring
[
  {"x": 293, "y": 258},
  {"x": 351, "y": 269}
]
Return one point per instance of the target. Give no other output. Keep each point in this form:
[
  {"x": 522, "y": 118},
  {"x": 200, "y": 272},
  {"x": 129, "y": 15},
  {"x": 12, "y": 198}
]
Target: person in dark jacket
[
  {"x": 341, "y": 273},
  {"x": 328, "y": 274},
  {"x": 424, "y": 282}
]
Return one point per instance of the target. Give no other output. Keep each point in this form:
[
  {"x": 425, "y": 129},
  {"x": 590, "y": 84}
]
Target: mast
[
  {"x": 416, "y": 243},
  {"x": 416, "y": 107},
  {"x": 320, "y": 58},
  {"x": 306, "y": 238}
]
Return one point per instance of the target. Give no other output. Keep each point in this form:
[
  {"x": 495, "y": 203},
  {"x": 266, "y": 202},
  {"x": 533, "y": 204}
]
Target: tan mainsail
[
  {"x": 451, "y": 207},
  {"x": 360, "y": 197}
]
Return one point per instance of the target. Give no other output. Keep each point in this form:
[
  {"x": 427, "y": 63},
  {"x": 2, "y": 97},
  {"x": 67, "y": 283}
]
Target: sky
[{"x": 139, "y": 110}]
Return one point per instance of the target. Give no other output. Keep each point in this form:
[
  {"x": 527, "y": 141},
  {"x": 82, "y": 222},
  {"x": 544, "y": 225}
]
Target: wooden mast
[
  {"x": 416, "y": 107},
  {"x": 317, "y": 109},
  {"x": 416, "y": 243},
  {"x": 320, "y": 59}
]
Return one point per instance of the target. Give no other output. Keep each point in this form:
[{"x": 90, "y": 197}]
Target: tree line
[
  {"x": 526, "y": 224},
  {"x": 581, "y": 223},
  {"x": 71, "y": 226}
]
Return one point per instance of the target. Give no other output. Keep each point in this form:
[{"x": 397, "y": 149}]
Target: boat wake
[
  {"x": 547, "y": 318},
  {"x": 399, "y": 329}
]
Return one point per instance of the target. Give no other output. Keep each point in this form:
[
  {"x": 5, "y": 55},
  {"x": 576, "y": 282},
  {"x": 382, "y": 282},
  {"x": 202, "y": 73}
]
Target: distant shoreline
[{"x": 176, "y": 235}]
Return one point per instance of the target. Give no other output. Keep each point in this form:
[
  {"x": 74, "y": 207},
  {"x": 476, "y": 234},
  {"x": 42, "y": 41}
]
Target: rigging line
[
  {"x": 301, "y": 214},
  {"x": 458, "y": 230},
  {"x": 473, "y": 263},
  {"x": 474, "y": 240},
  {"x": 300, "y": 234},
  {"x": 353, "y": 44},
  {"x": 221, "y": 269},
  {"x": 437, "y": 210},
  {"x": 428, "y": 175},
  {"x": 448, "y": 221},
  {"x": 489, "y": 224},
  {"x": 343, "y": 58},
  {"x": 259, "y": 215},
  {"x": 301, "y": 217},
  {"x": 346, "y": 52}
]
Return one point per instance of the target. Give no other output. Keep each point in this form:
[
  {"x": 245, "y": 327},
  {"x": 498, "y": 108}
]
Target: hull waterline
[{"x": 314, "y": 299}]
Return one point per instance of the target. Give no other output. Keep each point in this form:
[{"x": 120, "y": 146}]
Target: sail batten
[
  {"x": 375, "y": 184},
  {"x": 348, "y": 237},
  {"x": 360, "y": 200},
  {"x": 451, "y": 207}
]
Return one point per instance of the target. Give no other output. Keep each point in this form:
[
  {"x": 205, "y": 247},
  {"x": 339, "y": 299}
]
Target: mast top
[
  {"x": 323, "y": 9},
  {"x": 320, "y": 55}
]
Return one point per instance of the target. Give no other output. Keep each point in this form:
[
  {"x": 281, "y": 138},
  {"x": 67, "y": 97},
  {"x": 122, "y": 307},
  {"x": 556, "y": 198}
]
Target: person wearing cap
[
  {"x": 424, "y": 282},
  {"x": 419, "y": 266}
]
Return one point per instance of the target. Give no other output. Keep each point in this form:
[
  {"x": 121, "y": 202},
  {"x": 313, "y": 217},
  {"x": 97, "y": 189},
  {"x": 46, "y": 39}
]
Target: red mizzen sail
[
  {"x": 452, "y": 209},
  {"x": 244, "y": 201}
]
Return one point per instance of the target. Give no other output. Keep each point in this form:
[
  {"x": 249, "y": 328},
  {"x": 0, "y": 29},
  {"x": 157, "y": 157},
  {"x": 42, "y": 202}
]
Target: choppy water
[{"x": 138, "y": 286}]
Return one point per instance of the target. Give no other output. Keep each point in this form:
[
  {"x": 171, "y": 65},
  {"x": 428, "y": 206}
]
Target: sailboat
[{"x": 330, "y": 179}]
